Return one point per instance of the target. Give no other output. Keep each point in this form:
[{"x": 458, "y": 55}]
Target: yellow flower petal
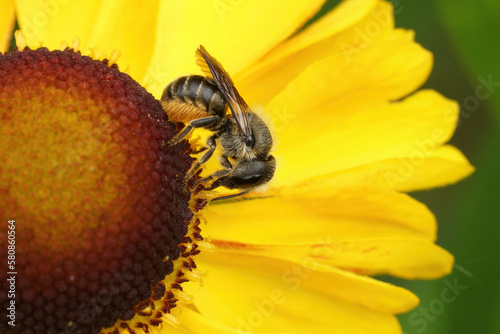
[
  {"x": 406, "y": 258},
  {"x": 235, "y": 32},
  {"x": 352, "y": 136},
  {"x": 402, "y": 257},
  {"x": 421, "y": 170},
  {"x": 314, "y": 212},
  {"x": 446, "y": 165},
  {"x": 343, "y": 27},
  {"x": 101, "y": 25},
  {"x": 263, "y": 295},
  {"x": 375, "y": 209},
  {"x": 194, "y": 322},
  {"x": 333, "y": 227},
  {"x": 350, "y": 287},
  {"x": 339, "y": 19},
  {"x": 7, "y": 19},
  {"x": 373, "y": 76}
]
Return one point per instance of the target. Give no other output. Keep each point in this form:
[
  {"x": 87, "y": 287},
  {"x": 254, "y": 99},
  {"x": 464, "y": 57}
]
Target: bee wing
[{"x": 213, "y": 69}]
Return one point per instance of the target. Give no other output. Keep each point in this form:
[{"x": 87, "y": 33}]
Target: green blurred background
[{"x": 464, "y": 37}]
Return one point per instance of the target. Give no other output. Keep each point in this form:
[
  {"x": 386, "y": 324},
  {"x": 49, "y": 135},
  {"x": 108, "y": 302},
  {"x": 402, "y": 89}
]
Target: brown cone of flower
[{"x": 97, "y": 196}]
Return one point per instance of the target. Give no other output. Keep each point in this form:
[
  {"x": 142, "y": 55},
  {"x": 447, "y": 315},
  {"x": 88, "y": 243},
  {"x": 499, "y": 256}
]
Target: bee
[{"x": 205, "y": 102}]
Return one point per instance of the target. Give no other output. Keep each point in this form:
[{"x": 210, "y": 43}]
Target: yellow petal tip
[{"x": 20, "y": 40}]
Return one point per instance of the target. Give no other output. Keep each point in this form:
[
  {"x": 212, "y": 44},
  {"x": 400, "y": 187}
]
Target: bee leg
[
  {"x": 220, "y": 173},
  {"x": 226, "y": 182},
  {"x": 205, "y": 157},
  {"x": 231, "y": 196},
  {"x": 198, "y": 150},
  {"x": 223, "y": 180},
  {"x": 224, "y": 161},
  {"x": 217, "y": 174},
  {"x": 222, "y": 176},
  {"x": 196, "y": 123}
]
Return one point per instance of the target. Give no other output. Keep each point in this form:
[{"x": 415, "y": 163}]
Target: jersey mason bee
[{"x": 203, "y": 102}]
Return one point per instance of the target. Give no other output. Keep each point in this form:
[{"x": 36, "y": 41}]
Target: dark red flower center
[{"x": 96, "y": 195}]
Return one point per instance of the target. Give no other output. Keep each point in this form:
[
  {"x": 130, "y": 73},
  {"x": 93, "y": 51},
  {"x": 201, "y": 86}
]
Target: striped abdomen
[{"x": 192, "y": 97}]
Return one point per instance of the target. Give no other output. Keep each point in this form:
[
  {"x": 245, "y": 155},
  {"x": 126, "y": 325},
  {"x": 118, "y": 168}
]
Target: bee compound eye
[
  {"x": 251, "y": 173},
  {"x": 246, "y": 181}
]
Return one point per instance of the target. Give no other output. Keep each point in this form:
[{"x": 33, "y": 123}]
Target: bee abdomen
[{"x": 198, "y": 91}]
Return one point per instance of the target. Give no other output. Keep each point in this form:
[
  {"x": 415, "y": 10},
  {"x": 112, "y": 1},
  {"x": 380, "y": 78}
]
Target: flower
[{"x": 351, "y": 139}]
